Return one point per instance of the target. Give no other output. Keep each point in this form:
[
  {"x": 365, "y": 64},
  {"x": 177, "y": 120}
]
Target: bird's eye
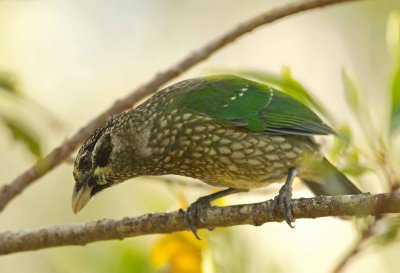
[{"x": 85, "y": 163}]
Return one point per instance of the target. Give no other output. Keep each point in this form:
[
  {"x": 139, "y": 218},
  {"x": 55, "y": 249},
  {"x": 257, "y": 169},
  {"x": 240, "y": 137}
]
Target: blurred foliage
[
  {"x": 359, "y": 108},
  {"x": 393, "y": 40},
  {"x": 20, "y": 130},
  {"x": 8, "y": 83},
  {"x": 352, "y": 93},
  {"x": 389, "y": 233},
  {"x": 391, "y": 226},
  {"x": 395, "y": 115},
  {"x": 243, "y": 254},
  {"x": 25, "y": 136},
  {"x": 121, "y": 257},
  {"x": 21, "y": 115},
  {"x": 341, "y": 144},
  {"x": 356, "y": 161}
]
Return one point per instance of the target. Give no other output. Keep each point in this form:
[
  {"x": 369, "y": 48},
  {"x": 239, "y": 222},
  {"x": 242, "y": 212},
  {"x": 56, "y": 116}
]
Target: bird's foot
[
  {"x": 284, "y": 199},
  {"x": 196, "y": 212}
]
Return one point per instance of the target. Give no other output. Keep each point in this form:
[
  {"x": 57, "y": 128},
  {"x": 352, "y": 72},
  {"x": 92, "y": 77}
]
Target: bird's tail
[{"x": 330, "y": 181}]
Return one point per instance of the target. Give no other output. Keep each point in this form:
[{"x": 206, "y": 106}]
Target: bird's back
[{"x": 202, "y": 132}]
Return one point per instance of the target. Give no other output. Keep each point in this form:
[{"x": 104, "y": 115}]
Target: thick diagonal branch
[
  {"x": 59, "y": 154},
  {"x": 168, "y": 222}
]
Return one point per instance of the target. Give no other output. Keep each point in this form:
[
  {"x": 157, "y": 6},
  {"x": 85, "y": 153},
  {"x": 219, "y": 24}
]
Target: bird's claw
[
  {"x": 196, "y": 212},
  {"x": 284, "y": 201}
]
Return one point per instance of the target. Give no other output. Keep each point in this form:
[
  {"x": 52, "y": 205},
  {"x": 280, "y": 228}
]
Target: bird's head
[
  {"x": 114, "y": 153},
  {"x": 92, "y": 169}
]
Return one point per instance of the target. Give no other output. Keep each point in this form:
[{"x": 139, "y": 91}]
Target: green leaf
[
  {"x": 393, "y": 43},
  {"x": 262, "y": 76},
  {"x": 297, "y": 90},
  {"x": 341, "y": 143},
  {"x": 355, "y": 170},
  {"x": 395, "y": 101},
  {"x": 393, "y": 34},
  {"x": 352, "y": 93},
  {"x": 8, "y": 83},
  {"x": 25, "y": 136},
  {"x": 391, "y": 233}
]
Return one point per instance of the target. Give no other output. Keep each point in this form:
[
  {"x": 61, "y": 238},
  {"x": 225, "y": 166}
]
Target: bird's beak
[{"x": 80, "y": 198}]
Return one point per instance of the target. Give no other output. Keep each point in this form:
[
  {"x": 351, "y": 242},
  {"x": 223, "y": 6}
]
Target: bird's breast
[{"x": 225, "y": 156}]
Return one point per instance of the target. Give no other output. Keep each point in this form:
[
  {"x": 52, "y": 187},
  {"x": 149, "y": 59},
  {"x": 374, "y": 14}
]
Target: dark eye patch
[
  {"x": 85, "y": 162},
  {"x": 104, "y": 151}
]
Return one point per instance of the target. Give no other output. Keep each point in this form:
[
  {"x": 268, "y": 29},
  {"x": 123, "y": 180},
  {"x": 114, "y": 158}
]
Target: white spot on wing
[{"x": 270, "y": 98}]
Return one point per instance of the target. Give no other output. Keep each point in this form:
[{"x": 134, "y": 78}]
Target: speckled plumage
[{"x": 224, "y": 130}]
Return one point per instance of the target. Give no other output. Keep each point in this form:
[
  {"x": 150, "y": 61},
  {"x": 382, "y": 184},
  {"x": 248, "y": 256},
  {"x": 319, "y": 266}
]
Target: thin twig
[
  {"x": 168, "y": 222},
  {"x": 366, "y": 234},
  {"x": 59, "y": 154},
  {"x": 356, "y": 248},
  {"x": 70, "y": 160}
]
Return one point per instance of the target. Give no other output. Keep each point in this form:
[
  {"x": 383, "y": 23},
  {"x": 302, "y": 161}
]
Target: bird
[{"x": 224, "y": 130}]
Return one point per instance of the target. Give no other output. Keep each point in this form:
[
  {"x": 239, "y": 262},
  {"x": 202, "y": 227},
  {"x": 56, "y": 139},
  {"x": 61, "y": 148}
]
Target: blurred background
[{"x": 62, "y": 62}]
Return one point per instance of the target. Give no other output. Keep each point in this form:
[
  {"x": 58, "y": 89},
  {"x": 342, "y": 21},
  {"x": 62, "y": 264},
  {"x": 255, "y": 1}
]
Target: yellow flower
[{"x": 179, "y": 252}]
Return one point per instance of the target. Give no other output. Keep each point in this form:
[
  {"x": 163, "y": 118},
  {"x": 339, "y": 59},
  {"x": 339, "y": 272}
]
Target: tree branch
[
  {"x": 355, "y": 250},
  {"x": 359, "y": 245},
  {"x": 59, "y": 154},
  {"x": 247, "y": 214}
]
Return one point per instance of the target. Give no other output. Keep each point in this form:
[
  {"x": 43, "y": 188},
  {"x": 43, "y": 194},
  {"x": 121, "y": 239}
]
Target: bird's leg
[
  {"x": 284, "y": 198},
  {"x": 196, "y": 209}
]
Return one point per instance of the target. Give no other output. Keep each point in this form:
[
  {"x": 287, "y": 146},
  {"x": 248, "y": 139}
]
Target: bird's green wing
[{"x": 243, "y": 103}]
